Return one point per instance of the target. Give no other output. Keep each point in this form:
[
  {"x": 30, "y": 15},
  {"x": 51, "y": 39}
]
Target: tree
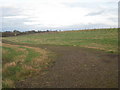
[{"x": 16, "y": 32}]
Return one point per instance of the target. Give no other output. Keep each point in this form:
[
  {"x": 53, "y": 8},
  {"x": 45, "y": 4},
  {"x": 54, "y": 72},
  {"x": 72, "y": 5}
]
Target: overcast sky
[{"x": 58, "y": 14}]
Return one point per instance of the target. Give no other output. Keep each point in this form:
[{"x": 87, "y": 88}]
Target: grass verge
[{"x": 20, "y": 62}]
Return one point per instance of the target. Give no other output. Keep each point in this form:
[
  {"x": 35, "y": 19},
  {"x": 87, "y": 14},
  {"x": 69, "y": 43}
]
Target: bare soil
[{"x": 76, "y": 67}]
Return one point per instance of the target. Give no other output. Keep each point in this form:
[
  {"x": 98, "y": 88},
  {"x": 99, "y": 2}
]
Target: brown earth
[{"x": 77, "y": 67}]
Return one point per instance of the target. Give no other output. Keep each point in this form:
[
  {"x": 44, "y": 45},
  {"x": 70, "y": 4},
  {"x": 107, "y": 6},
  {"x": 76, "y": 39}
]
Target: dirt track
[{"x": 77, "y": 67}]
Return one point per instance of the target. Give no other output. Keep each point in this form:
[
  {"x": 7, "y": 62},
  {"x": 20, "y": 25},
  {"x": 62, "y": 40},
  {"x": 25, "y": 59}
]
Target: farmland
[
  {"x": 23, "y": 56},
  {"x": 103, "y": 39}
]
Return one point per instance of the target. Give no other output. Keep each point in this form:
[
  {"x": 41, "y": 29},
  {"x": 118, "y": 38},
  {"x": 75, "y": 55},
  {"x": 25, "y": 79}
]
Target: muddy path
[{"x": 77, "y": 67}]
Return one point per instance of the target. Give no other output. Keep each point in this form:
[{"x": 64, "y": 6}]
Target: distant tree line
[{"x": 17, "y": 32}]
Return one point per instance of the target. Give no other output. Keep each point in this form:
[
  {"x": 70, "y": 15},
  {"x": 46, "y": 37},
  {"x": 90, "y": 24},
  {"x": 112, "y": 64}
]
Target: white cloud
[
  {"x": 60, "y": 13},
  {"x": 58, "y": 16},
  {"x": 15, "y": 17}
]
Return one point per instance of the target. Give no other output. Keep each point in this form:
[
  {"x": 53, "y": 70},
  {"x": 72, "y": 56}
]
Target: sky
[{"x": 24, "y": 15}]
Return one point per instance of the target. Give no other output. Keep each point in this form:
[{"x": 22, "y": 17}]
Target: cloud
[
  {"x": 82, "y": 26},
  {"x": 95, "y": 13},
  {"x": 81, "y": 4},
  {"x": 113, "y": 19},
  {"x": 13, "y": 23},
  {"x": 57, "y": 14},
  {"x": 10, "y": 11}
]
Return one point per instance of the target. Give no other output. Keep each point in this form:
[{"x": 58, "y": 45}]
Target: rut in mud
[{"x": 77, "y": 67}]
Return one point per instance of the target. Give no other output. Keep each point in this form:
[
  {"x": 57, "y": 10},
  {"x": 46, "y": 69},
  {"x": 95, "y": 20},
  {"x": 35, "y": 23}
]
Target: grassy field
[
  {"x": 103, "y": 39},
  {"x": 20, "y": 62}
]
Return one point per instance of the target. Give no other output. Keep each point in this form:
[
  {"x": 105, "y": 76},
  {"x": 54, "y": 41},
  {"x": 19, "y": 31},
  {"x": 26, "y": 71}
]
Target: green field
[
  {"x": 103, "y": 39},
  {"x": 20, "y": 62}
]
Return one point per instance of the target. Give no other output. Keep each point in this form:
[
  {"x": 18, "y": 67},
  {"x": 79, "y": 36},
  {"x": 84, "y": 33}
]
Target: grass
[
  {"x": 20, "y": 62},
  {"x": 11, "y": 53},
  {"x": 103, "y": 39},
  {"x": 31, "y": 54}
]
